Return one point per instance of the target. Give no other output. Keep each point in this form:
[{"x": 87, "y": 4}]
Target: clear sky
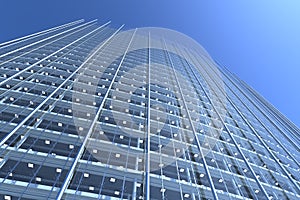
[{"x": 257, "y": 40}]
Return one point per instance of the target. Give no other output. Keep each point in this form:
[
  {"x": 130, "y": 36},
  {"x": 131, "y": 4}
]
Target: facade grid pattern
[{"x": 74, "y": 125}]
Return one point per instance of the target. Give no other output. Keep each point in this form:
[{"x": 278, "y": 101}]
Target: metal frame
[
  {"x": 147, "y": 148},
  {"x": 82, "y": 148},
  {"x": 193, "y": 129},
  {"x": 27, "y": 52},
  {"x": 12, "y": 88},
  {"x": 20, "y": 72},
  {"x": 261, "y": 140},
  {"x": 274, "y": 137},
  {"x": 45, "y": 39},
  {"x": 229, "y": 133},
  {"x": 50, "y": 95},
  {"x": 267, "y": 107},
  {"x": 31, "y": 36}
]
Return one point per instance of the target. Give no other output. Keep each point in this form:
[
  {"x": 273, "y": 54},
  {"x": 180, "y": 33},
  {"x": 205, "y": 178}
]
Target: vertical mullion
[
  {"x": 91, "y": 129},
  {"x": 260, "y": 139},
  {"x": 148, "y": 142},
  {"x": 20, "y": 72},
  {"x": 193, "y": 128},
  {"x": 12, "y": 88},
  {"x": 268, "y": 109},
  {"x": 45, "y": 39},
  {"x": 273, "y": 136},
  {"x": 63, "y": 83},
  {"x": 264, "y": 104},
  {"x": 31, "y": 36},
  {"x": 230, "y": 135},
  {"x": 18, "y": 145},
  {"x": 27, "y": 52}
]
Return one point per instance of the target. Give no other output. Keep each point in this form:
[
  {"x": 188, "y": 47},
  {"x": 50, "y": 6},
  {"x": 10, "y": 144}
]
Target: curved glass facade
[{"x": 88, "y": 112}]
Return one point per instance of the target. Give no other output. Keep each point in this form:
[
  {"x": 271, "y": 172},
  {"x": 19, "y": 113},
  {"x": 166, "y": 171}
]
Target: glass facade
[{"x": 88, "y": 112}]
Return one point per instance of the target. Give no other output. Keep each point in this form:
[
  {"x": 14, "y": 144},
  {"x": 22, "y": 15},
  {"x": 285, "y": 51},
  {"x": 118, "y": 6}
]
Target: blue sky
[{"x": 257, "y": 40}]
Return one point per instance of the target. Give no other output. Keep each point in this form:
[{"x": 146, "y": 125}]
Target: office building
[{"x": 91, "y": 111}]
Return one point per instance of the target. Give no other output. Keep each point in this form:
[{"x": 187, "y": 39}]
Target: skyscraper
[{"x": 95, "y": 112}]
